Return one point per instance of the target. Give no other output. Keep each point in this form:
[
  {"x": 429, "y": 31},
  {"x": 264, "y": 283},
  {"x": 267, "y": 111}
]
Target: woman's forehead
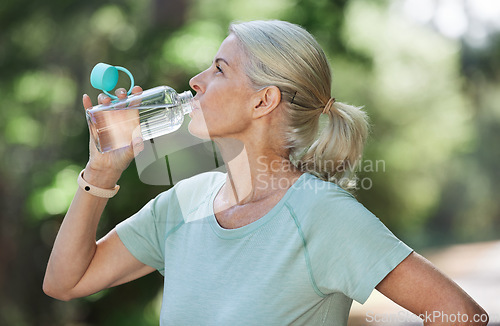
[{"x": 230, "y": 51}]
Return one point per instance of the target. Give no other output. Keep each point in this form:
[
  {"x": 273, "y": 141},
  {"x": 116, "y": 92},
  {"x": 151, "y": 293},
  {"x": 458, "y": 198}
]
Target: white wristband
[{"x": 96, "y": 191}]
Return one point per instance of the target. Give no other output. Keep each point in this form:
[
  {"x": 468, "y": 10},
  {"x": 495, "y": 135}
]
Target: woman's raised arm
[{"x": 78, "y": 265}]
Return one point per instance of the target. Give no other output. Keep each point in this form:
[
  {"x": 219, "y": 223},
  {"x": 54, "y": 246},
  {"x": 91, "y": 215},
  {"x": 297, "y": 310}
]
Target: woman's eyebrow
[{"x": 221, "y": 59}]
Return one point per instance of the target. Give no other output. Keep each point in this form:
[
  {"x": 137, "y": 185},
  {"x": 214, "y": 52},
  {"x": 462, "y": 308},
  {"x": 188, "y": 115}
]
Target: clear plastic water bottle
[{"x": 154, "y": 112}]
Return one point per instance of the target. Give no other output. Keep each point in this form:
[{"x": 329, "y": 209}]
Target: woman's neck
[{"x": 253, "y": 173}]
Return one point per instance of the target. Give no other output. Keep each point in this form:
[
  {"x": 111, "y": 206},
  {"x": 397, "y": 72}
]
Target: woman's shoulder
[
  {"x": 317, "y": 190},
  {"x": 188, "y": 194},
  {"x": 319, "y": 200}
]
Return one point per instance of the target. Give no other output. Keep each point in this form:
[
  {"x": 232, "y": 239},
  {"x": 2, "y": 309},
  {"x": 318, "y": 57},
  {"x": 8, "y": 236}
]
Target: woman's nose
[{"x": 195, "y": 83}]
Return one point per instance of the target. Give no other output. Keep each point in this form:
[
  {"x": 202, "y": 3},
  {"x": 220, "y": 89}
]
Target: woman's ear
[{"x": 266, "y": 101}]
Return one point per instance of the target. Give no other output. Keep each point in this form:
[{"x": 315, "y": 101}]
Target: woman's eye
[{"x": 218, "y": 68}]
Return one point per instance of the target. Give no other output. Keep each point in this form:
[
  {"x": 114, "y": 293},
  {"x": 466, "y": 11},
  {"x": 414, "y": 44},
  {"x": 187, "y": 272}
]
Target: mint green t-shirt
[{"x": 300, "y": 264}]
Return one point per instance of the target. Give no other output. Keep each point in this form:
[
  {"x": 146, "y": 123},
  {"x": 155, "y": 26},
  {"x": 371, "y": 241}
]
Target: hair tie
[{"x": 328, "y": 105}]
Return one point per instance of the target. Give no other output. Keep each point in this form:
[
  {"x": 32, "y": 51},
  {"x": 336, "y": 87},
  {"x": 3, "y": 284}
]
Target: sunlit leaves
[
  {"x": 55, "y": 198},
  {"x": 50, "y": 91},
  {"x": 423, "y": 118},
  {"x": 111, "y": 22},
  {"x": 22, "y": 129},
  {"x": 193, "y": 46}
]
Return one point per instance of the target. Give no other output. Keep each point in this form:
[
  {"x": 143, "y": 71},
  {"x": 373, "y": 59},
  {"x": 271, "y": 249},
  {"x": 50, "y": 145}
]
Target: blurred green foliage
[{"x": 433, "y": 103}]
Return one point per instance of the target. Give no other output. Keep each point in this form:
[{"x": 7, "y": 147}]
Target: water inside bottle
[
  {"x": 113, "y": 129},
  {"x": 115, "y": 126},
  {"x": 159, "y": 120}
]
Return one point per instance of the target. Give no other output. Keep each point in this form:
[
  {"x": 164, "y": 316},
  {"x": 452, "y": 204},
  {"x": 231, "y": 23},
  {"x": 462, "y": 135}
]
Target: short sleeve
[
  {"x": 351, "y": 250},
  {"x": 144, "y": 232}
]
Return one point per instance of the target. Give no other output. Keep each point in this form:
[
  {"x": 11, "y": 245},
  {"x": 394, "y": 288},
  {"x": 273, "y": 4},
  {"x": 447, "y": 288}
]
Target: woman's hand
[{"x": 104, "y": 169}]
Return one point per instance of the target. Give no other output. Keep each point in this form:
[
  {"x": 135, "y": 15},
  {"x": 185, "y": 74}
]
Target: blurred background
[{"x": 427, "y": 72}]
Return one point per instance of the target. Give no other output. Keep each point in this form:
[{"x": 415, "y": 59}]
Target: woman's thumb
[{"x": 137, "y": 142}]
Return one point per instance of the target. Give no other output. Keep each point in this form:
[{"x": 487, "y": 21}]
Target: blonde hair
[{"x": 287, "y": 56}]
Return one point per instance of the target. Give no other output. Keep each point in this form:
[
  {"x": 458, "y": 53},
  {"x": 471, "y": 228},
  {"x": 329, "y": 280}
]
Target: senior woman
[{"x": 277, "y": 240}]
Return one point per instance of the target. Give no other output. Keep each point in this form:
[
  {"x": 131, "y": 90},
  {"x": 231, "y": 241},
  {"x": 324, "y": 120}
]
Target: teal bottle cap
[{"x": 105, "y": 78}]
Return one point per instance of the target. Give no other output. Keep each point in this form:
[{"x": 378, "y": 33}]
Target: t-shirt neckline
[{"x": 249, "y": 228}]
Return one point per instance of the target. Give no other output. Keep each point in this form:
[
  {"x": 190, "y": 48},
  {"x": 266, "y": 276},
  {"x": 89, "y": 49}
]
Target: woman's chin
[{"x": 198, "y": 131}]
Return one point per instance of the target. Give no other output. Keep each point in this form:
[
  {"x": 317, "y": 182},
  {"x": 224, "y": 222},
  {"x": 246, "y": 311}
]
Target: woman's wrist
[{"x": 105, "y": 179}]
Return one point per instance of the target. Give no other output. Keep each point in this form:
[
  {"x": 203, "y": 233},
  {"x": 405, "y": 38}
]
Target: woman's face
[{"x": 224, "y": 98}]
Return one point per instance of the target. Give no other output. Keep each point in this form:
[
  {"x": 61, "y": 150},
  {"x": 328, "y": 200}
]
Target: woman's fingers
[
  {"x": 87, "y": 102},
  {"x": 121, "y": 93},
  {"x": 103, "y": 99},
  {"x": 137, "y": 143},
  {"x": 136, "y": 89}
]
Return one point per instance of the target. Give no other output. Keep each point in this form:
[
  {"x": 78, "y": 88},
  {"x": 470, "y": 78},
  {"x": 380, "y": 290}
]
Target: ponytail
[{"x": 334, "y": 155}]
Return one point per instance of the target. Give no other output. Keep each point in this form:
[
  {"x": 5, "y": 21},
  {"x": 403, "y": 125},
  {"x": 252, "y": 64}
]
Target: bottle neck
[{"x": 186, "y": 99}]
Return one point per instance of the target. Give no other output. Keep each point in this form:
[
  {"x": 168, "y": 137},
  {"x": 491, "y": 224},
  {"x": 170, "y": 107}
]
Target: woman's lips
[{"x": 195, "y": 107}]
